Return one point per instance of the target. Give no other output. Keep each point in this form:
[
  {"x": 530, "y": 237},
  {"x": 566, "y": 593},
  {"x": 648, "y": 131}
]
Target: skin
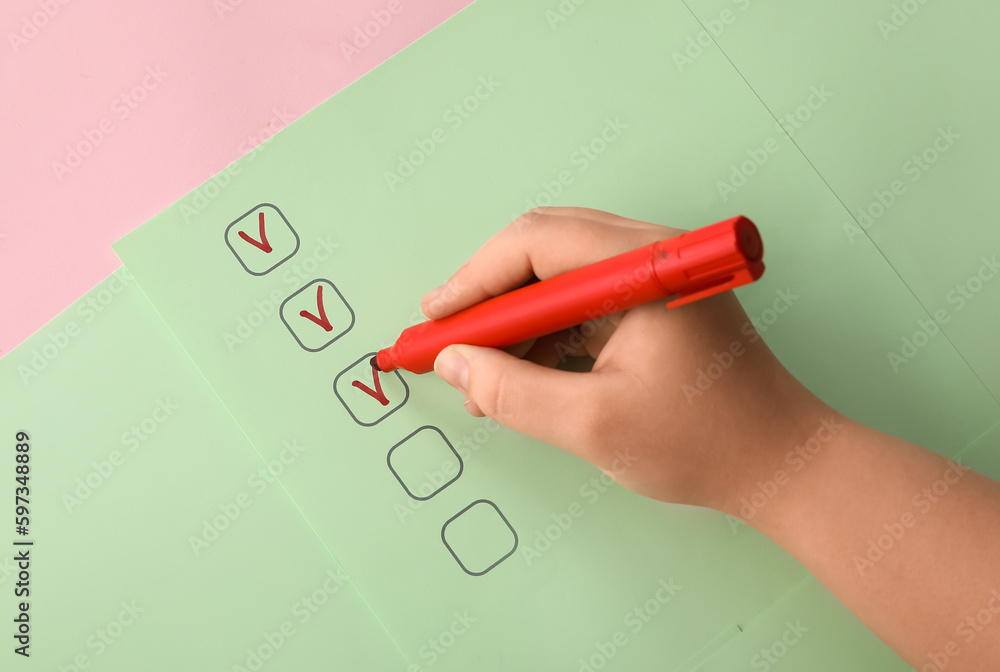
[{"x": 907, "y": 540}]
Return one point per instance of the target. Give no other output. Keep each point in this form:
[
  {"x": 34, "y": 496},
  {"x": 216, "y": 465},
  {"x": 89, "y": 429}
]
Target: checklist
[{"x": 424, "y": 462}]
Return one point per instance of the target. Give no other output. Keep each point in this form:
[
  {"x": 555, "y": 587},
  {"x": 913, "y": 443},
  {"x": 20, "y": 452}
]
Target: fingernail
[
  {"x": 433, "y": 294},
  {"x": 453, "y": 369}
]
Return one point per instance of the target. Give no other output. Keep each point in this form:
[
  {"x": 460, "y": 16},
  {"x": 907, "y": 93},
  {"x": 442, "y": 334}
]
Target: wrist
[{"x": 768, "y": 483}]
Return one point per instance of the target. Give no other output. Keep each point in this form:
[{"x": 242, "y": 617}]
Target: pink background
[{"x": 203, "y": 82}]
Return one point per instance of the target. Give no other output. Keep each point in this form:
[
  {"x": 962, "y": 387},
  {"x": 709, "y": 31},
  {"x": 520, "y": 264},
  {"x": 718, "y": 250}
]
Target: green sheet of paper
[
  {"x": 161, "y": 539},
  {"x": 230, "y": 499},
  {"x": 523, "y": 558},
  {"x": 807, "y": 629},
  {"x": 905, "y": 134}
]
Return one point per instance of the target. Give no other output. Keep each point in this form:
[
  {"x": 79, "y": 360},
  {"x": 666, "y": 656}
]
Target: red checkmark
[
  {"x": 262, "y": 244},
  {"x": 322, "y": 319},
  {"x": 377, "y": 393}
]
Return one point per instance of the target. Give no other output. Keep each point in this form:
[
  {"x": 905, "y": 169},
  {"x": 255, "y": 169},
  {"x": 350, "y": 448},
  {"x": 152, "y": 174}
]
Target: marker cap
[{"x": 710, "y": 260}]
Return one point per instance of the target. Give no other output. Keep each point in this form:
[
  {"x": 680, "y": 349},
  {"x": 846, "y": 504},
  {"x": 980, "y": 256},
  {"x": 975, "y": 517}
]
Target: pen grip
[
  {"x": 692, "y": 266},
  {"x": 545, "y": 307}
]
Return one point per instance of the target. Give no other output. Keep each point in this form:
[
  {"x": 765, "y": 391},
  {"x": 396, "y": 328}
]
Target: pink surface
[{"x": 160, "y": 96}]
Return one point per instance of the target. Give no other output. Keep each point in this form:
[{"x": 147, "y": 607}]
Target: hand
[
  {"x": 638, "y": 414},
  {"x": 645, "y": 416}
]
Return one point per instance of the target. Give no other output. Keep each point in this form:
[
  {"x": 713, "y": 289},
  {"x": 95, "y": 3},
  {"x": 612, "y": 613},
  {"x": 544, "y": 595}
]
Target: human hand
[
  {"x": 637, "y": 414},
  {"x": 645, "y": 416}
]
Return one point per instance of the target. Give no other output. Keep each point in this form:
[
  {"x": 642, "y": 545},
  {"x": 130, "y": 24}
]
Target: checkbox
[
  {"x": 262, "y": 239},
  {"x": 370, "y": 396},
  {"x": 317, "y": 315},
  {"x": 479, "y": 537},
  {"x": 424, "y": 463}
]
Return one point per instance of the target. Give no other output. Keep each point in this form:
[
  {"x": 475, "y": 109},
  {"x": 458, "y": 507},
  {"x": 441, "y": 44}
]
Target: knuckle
[
  {"x": 529, "y": 220},
  {"x": 454, "y": 285},
  {"x": 490, "y": 286},
  {"x": 536, "y": 212}
]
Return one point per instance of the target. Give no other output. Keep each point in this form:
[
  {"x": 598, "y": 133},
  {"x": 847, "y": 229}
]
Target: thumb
[{"x": 548, "y": 404}]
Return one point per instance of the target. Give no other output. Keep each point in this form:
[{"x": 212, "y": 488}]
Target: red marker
[{"x": 691, "y": 266}]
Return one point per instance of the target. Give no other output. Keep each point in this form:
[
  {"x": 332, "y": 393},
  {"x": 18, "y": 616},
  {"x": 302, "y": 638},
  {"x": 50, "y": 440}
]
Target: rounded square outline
[
  {"x": 368, "y": 356},
  {"x": 502, "y": 517},
  {"x": 281, "y": 314},
  {"x": 295, "y": 233},
  {"x": 388, "y": 459}
]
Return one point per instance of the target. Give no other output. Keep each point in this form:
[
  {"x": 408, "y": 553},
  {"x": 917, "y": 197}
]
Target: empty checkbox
[
  {"x": 479, "y": 537},
  {"x": 424, "y": 463}
]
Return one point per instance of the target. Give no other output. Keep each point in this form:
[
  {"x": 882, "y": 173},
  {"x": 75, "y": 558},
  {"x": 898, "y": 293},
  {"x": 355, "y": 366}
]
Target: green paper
[
  {"x": 807, "y": 629},
  {"x": 905, "y": 135},
  {"x": 389, "y": 187},
  {"x": 162, "y": 541}
]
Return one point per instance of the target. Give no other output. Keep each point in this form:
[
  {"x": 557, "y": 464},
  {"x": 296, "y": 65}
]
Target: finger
[
  {"x": 583, "y": 340},
  {"x": 541, "y": 244},
  {"x": 519, "y": 349},
  {"x": 551, "y": 350},
  {"x": 593, "y": 214},
  {"x": 531, "y": 399},
  {"x": 598, "y": 332},
  {"x": 473, "y": 408},
  {"x": 714, "y": 319}
]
